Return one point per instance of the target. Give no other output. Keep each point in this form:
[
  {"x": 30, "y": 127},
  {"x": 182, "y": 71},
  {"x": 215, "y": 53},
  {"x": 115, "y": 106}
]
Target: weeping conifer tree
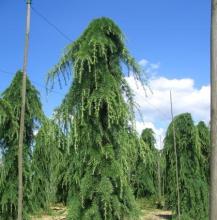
[
  {"x": 62, "y": 163},
  {"x": 47, "y": 157},
  {"x": 9, "y": 130},
  {"x": 148, "y": 137},
  {"x": 192, "y": 183},
  {"x": 145, "y": 174},
  {"x": 205, "y": 148},
  {"x": 6, "y": 117},
  {"x": 101, "y": 104}
]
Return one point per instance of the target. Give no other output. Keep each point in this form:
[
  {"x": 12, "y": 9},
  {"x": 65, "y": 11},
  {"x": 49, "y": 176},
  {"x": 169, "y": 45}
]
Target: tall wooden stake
[
  {"x": 159, "y": 176},
  {"x": 213, "y": 165},
  {"x": 159, "y": 172},
  {"x": 175, "y": 152},
  {"x": 22, "y": 117}
]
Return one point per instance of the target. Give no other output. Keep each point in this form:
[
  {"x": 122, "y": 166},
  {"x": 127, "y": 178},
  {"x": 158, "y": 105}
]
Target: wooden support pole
[
  {"x": 22, "y": 117},
  {"x": 213, "y": 165}
]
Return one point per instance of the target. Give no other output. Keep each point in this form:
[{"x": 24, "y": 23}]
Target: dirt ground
[
  {"x": 59, "y": 213},
  {"x": 56, "y": 213},
  {"x": 156, "y": 215}
]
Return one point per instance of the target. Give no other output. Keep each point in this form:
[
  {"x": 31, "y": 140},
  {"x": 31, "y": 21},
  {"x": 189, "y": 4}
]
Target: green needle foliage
[
  {"x": 62, "y": 173},
  {"x": 162, "y": 164},
  {"x": 145, "y": 176},
  {"x": 9, "y": 130},
  {"x": 205, "y": 148},
  {"x": 192, "y": 183},
  {"x": 148, "y": 137},
  {"x": 47, "y": 157},
  {"x": 100, "y": 104}
]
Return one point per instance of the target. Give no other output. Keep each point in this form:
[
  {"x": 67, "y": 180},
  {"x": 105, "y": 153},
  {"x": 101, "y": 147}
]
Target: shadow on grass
[{"x": 165, "y": 216}]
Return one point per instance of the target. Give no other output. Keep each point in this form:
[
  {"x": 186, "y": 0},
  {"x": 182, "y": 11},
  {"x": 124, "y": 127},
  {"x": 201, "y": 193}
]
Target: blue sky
[{"x": 172, "y": 33}]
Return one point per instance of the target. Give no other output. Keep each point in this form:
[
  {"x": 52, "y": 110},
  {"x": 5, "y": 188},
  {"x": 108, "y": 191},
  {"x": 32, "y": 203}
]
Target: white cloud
[
  {"x": 155, "y": 65},
  {"x": 186, "y": 98},
  {"x": 143, "y": 62},
  {"x": 162, "y": 83},
  {"x": 155, "y": 106},
  {"x": 149, "y": 68}
]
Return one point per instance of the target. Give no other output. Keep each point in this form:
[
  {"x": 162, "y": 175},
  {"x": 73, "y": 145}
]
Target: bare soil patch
[
  {"x": 59, "y": 212},
  {"x": 156, "y": 215}
]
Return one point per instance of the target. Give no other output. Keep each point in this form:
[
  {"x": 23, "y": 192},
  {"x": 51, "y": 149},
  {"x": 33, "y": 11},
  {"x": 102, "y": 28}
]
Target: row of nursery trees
[{"x": 89, "y": 156}]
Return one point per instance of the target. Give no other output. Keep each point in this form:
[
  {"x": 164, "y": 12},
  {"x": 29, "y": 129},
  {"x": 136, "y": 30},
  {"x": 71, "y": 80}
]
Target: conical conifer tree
[
  {"x": 192, "y": 183},
  {"x": 9, "y": 130},
  {"x": 101, "y": 104}
]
